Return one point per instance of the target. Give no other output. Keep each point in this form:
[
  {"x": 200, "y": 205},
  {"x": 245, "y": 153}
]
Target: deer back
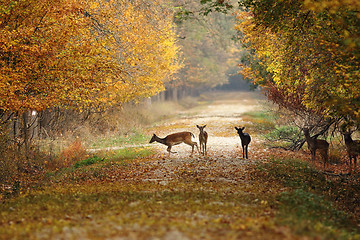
[
  {"x": 177, "y": 138},
  {"x": 245, "y": 137},
  {"x": 314, "y": 143},
  {"x": 353, "y": 147}
]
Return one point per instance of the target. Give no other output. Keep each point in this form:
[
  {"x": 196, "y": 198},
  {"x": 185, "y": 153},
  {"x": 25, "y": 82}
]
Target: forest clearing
[{"x": 273, "y": 194}]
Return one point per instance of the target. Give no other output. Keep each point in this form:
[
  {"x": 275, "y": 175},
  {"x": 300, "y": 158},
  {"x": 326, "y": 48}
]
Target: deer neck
[
  {"x": 161, "y": 140},
  {"x": 242, "y": 135},
  {"x": 348, "y": 139},
  {"x": 308, "y": 138}
]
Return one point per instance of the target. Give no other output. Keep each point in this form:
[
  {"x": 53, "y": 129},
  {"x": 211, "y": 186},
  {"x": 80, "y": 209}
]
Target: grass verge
[{"x": 312, "y": 204}]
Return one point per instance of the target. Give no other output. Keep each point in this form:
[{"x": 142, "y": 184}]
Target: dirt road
[
  {"x": 218, "y": 196},
  {"x": 224, "y": 146},
  {"x": 221, "y": 116}
]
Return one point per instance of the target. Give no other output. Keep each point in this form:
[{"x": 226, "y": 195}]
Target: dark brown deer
[
  {"x": 203, "y": 136},
  {"x": 352, "y": 147},
  {"x": 245, "y": 140},
  {"x": 175, "y": 139},
  {"x": 317, "y": 144}
]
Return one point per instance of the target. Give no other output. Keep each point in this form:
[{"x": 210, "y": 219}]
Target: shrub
[{"x": 73, "y": 153}]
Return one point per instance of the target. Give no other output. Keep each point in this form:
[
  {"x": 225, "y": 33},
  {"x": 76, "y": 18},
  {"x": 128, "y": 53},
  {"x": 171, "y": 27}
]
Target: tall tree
[
  {"x": 81, "y": 53},
  {"x": 310, "y": 55}
]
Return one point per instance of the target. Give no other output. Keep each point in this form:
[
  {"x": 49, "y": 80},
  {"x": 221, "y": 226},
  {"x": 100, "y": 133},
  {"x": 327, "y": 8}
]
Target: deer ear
[
  {"x": 197, "y": 126},
  {"x": 242, "y": 128},
  {"x": 236, "y": 128},
  {"x": 205, "y": 125}
]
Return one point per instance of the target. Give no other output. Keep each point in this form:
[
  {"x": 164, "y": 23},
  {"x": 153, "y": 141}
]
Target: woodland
[{"x": 85, "y": 84}]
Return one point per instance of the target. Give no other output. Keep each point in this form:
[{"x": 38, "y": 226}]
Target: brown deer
[
  {"x": 175, "y": 139},
  {"x": 203, "y": 136},
  {"x": 316, "y": 144},
  {"x": 352, "y": 147},
  {"x": 245, "y": 140}
]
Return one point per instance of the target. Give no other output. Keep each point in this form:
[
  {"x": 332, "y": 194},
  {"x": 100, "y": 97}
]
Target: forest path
[
  {"x": 180, "y": 197},
  {"x": 220, "y": 117},
  {"x": 223, "y": 161}
]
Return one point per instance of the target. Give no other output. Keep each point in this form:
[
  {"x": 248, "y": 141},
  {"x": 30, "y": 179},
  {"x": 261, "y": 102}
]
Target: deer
[
  {"x": 203, "y": 136},
  {"x": 175, "y": 139},
  {"x": 245, "y": 140},
  {"x": 352, "y": 148},
  {"x": 317, "y": 144}
]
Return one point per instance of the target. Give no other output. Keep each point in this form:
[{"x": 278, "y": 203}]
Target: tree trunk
[{"x": 25, "y": 131}]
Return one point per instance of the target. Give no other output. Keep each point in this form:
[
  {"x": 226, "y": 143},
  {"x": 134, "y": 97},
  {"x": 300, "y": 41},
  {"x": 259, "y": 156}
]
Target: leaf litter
[{"x": 216, "y": 196}]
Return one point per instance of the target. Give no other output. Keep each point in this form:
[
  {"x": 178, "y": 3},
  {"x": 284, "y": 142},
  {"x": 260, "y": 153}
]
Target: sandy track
[{"x": 220, "y": 116}]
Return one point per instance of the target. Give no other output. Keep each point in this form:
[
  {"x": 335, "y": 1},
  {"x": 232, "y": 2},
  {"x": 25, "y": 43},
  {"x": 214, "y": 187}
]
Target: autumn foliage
[
  {"x": 308, "y": 52},
  {"x": 81, "y": 53}
]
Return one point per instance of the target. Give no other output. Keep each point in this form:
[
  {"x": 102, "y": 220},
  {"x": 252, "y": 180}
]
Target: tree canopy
[
  {"x": 81, "y": 53},
  {"x": 305, "y": 54}
]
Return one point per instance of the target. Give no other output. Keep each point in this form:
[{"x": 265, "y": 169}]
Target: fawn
[
  {"x": 245, "y": 140},
  {"x": 317, "y": 144},
  {"x": 352, "y": 147},
  {"x": 175, "y": 139},
  {"x": 203, "y": 136}
]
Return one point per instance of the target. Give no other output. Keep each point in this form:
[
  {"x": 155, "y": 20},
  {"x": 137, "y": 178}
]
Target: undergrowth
[{"x": 313, "y": 204}]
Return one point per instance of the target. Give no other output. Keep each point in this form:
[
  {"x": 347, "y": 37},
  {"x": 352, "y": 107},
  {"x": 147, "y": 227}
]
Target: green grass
[
  {"x": 135, "y": 137},
  {"x": 310, "y": 213},
  {"x": 97, "y": 166},
  {"x": 311, "y": 203},
  {"x": 114, "y": 196},
  {"x": 262, "y": 121},
  {"x": 130, "y": 153},
  {"x": 88, "y": 161},
  {"x": 153, "y": 208},
  {"x": 262, "y": 115}
]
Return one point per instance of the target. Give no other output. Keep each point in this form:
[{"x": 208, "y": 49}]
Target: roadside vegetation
[{"x": 137, "y": 193}]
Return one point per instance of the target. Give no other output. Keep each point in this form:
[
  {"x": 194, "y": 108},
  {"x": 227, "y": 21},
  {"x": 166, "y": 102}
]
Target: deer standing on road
[
  {"x": 352, "y": 147},
  {"x": 317, "y": 144},
  {"x": 203, "y": 136},
  {"x": 245, "y": 140},
  {"x": 175, "y": 139}
]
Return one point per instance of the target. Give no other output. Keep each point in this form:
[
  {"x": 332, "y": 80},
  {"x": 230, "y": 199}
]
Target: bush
[
  {"x": 18, "y": 169},
  {"x": 283, "y": 133},
  {"x": 73, "y": 153},
  {"x": 288, "y": 137}
]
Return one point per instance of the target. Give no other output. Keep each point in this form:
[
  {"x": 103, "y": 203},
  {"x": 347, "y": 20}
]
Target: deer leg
[
  {"x": 350, "y": 163},
  {"x": 326, "y": 159},
  {"x": 194, "y": 143},
  {"x": 313, "y": 155},
  {"x": 243, "y": 151},
  {"x": 205, "y": 149},
  {"x": 355, "y": 163},
  {"x": 353, "y": 168},
  {"x": 246, "y": 148},
  {"x": 169, "y": 150}
]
